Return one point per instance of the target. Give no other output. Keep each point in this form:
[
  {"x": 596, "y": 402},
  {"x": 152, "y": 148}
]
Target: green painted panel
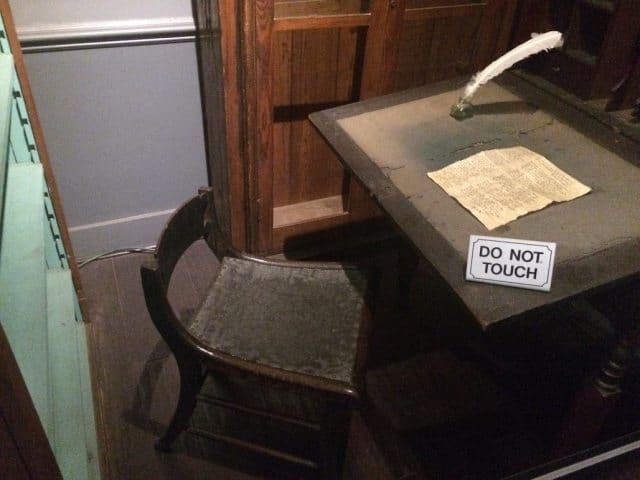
[
  {"x": 19, "y": 144},
  {"x": 4, "y": 42},
  {"x": 6, "y": 77},
  {"x": 22, "y": 280},
  {"x": 68, "y": 433},
  {"x": 38, "y": 308},
  {"x": 55, "y": 253},
  {"x": 23, "y": 115},
  {"x": 91, "y": 437}
]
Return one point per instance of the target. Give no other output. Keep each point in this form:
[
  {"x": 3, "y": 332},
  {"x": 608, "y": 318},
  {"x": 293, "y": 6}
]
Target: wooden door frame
[{"x": 248, "y": 107}]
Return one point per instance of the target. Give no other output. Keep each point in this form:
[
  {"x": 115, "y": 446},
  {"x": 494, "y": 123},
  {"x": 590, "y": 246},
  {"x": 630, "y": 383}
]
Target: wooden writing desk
[{"x": 390, "y": 143}]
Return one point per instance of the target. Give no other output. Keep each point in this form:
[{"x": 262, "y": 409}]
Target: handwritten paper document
[{"x": 498, "y": 186}]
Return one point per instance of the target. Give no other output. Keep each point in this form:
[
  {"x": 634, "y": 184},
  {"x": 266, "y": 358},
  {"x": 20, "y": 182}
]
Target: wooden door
[{"x": 284, "y": 59}]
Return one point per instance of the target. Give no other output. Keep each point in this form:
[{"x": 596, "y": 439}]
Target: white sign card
[{"x": 511, "y": 262}]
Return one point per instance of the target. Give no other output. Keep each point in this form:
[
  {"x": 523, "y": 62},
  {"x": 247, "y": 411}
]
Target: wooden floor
[
  {"x": 135, "y": 375},
  {"x": 136, "y": 380}
]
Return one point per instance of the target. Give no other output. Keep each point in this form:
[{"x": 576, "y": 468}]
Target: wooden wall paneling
[
  {"x": 318, "y": 8},
  {"x": 442, "y": 39},
  {"x": 374, "y": 78},
  {"x": 337, "y": 21},
  {"x": 429, "y": 55},
  {"x": 540, "y": 16},
  {"x": 382, "y": 45},
  {"x": 322, "y": 69},
  {"x": 282, "y": 72},
  {"x": 313, "y": 69},
  {"x": 618, "y": 50},
  {"x": 413, "y": 62},
  {"x": 494, "y": 34},
  {"x": 327, "y": 79},
  {"x": 350, "y": 64},
  {"x": 313, "y": 81}
]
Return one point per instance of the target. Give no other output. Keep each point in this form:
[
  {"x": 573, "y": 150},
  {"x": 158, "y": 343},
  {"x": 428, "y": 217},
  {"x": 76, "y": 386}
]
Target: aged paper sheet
[{"x": 498, "y": 186}]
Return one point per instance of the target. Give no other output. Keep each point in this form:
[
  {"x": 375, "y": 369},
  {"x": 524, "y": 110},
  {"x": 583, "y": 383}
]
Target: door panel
[
  {"x": 312, "y": 69},
  {"x": 417, "y": 4},
  {"x": 441, "y": 39},
  {"x": 427, "y": 51},
  {"x": 314, "y": 8}
]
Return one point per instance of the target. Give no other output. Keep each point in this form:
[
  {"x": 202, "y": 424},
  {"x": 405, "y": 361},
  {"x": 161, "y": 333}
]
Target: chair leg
[
  {"x": 333, "y": 441},
  {"x": 191, "y": 379}
]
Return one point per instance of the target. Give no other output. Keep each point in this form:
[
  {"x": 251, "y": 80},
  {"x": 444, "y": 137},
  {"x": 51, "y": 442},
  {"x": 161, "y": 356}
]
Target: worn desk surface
[{"x": 390, "y": 143}]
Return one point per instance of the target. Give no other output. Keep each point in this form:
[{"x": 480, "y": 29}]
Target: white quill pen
[{"x": 538, "y": 43}]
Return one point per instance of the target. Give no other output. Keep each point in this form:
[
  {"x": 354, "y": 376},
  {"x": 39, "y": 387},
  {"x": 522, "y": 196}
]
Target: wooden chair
[{"x": 286, "y": 326}]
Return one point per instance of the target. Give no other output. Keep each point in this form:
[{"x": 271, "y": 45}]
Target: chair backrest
[
  {"x": 185, "y": 226},
  {"x": 192, "y": 221},
  {"x": 196, "y": 219}
]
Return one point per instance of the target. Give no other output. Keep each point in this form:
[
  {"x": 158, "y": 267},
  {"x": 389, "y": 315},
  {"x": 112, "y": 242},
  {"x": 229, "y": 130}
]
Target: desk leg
[
  {"x": 408, "y": 261},
  {"x": 597, "y": 398}
]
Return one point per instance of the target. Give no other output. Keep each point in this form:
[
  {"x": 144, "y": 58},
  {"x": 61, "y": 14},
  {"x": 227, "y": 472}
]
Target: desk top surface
[{"x": 390, "y": 143}]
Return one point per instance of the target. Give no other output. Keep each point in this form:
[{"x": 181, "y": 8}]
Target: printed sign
[{"x": 510, "y": 262}]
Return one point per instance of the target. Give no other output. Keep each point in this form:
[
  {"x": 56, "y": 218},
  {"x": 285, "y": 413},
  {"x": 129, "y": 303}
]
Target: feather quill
[{"x": 538, "y": 43}]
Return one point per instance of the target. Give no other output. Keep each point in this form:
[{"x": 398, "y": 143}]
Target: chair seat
[{"x": 300, "y": 319}]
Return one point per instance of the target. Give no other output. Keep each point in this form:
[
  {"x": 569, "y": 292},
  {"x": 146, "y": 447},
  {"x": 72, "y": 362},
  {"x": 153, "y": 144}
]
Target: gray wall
[
  {"x": 42, "y": 18},
  {"x": 122, "y": 122}
]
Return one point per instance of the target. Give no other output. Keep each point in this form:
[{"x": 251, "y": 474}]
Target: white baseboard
[{"x": 129, "y": 232}]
